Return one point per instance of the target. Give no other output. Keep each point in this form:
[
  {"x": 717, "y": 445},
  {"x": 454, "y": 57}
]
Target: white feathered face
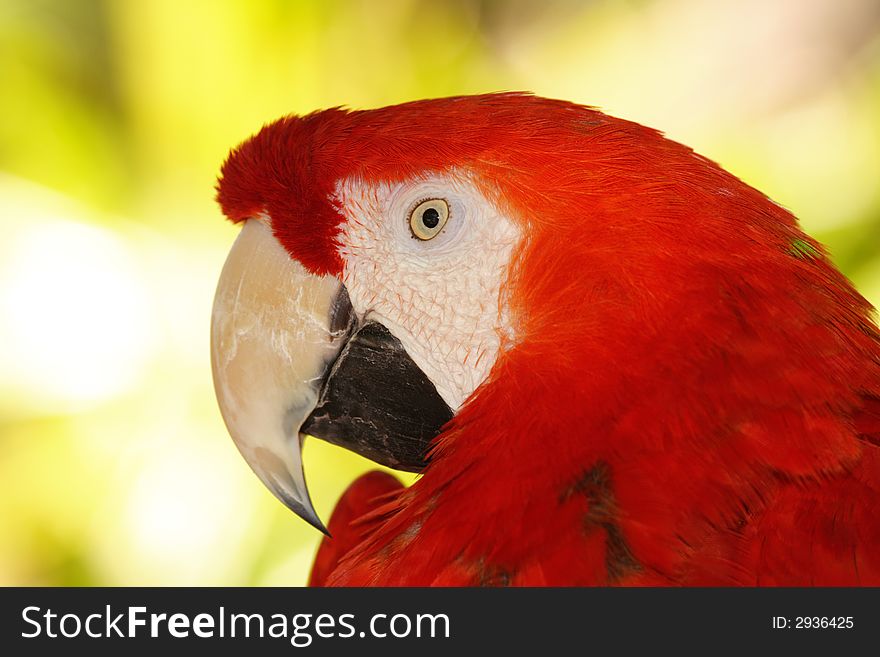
[
  {"x": 428, "y": 259},
  {"x": 380, "y": 359}
]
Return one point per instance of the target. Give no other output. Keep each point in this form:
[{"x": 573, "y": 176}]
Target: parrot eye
[{"x": 428, "y": 218}]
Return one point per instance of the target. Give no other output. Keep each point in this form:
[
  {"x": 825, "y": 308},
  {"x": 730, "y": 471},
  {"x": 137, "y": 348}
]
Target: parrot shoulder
[{"x": 350, "y": 519}]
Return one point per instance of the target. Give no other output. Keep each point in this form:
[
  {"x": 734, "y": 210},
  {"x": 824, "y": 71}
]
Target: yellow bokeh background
[{"x": 115, "y": 465}]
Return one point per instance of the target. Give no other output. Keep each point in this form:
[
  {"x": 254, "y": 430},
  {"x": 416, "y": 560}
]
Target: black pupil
[{"x": 430, "y": 218}]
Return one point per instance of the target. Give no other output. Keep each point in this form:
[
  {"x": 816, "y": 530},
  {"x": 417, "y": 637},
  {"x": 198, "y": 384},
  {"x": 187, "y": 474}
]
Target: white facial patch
[{"x": 442, "y": 298}]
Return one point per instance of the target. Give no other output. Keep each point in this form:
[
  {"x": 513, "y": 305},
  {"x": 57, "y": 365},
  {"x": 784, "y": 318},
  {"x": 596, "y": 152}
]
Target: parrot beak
[
  {"x": 290, "y": 358},
  {"x": 271, "y": 340}
]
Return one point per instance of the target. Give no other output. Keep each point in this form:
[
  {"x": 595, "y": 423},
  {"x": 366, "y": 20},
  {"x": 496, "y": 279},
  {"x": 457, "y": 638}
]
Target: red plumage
[
  {"x": 693, "y": 395},
  {"x": 361, "y": 498}
]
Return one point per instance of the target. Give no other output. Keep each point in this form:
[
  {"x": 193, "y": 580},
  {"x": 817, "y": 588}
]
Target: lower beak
[{"x": 290, "y": 357}]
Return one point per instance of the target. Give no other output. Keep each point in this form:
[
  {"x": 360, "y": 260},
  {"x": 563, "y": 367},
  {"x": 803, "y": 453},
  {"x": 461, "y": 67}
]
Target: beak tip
[
  {"x": 315, "y": 522},
  {"x": 303, "y": 509}
]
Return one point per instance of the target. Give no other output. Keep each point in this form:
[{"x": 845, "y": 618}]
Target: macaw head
[{"x": 399, "y": 266}]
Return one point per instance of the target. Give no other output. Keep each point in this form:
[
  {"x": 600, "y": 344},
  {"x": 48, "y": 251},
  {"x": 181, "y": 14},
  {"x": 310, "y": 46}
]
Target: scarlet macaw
[{"x": 611, "y": 361}]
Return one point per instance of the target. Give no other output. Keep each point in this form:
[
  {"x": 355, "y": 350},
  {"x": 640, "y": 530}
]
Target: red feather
[
  {"x": 349, "y": 521},
  {"x": 692, "y": 394}
]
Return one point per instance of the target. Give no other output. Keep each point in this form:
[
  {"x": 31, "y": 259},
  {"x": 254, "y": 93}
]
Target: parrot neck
[{"x": 608, "y": 453}]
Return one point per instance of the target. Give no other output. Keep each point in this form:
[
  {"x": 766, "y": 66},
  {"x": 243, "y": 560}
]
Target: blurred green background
[{"x": 114, "y": 118}]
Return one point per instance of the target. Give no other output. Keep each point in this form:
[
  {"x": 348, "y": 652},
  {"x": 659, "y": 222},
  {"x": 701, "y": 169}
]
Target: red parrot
[{"x": 611, "y": 361}]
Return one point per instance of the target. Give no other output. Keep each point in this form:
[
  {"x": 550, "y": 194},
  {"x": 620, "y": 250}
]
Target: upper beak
[{"x": 290, "y": 357}]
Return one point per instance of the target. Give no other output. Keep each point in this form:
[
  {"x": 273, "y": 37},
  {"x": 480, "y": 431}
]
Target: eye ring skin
[{"x": 428, "y": 218}]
